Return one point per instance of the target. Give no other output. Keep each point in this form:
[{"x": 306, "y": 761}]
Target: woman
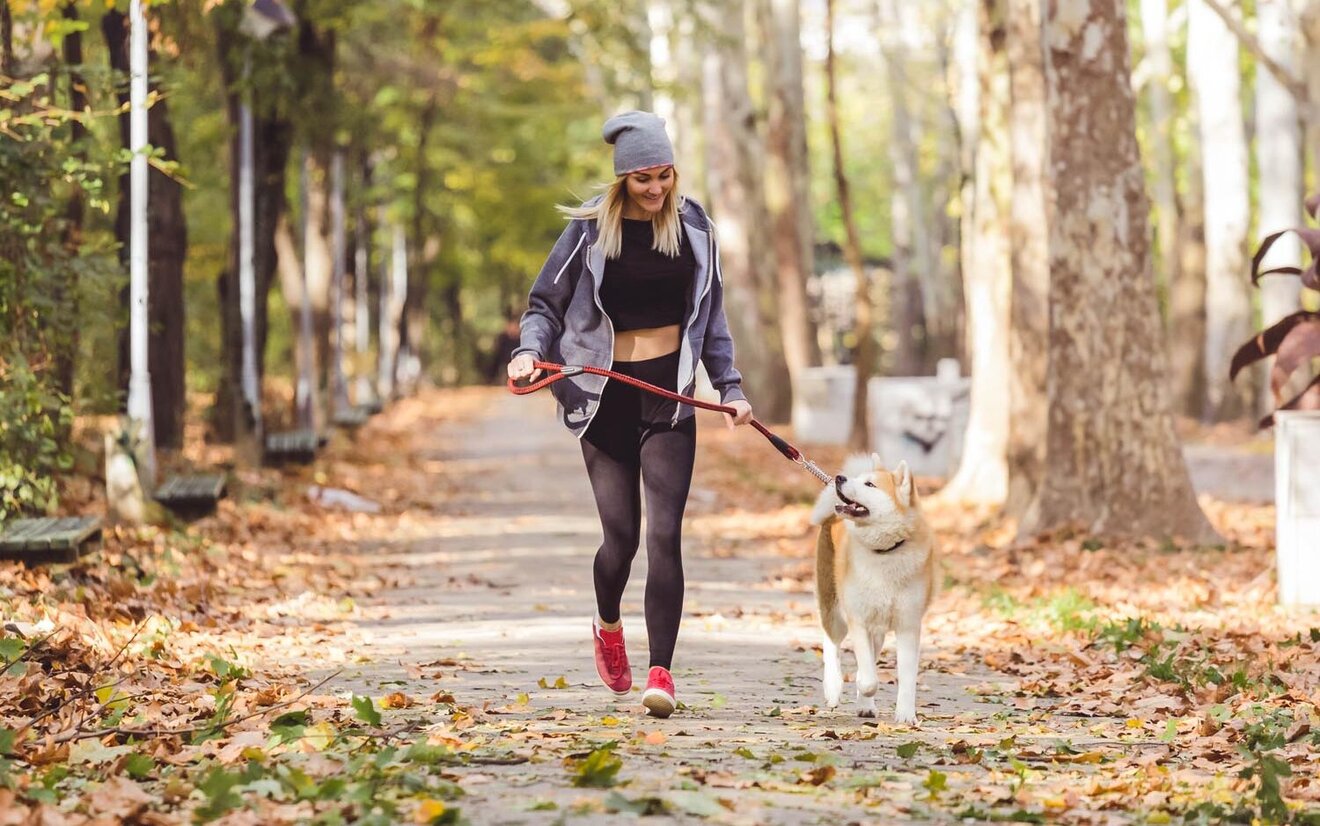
[{"x": 634, "y": 284}]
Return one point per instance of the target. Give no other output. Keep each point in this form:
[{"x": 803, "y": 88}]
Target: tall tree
[
  {"x": 1028, "y": 232},
  {"x": 1212, "y": 67},
  {"x": 982, "y": 474},
  {"x": 1113, "y": 463},
  {"x": 168, "y": 248},
  {"x": 1279, "y": 160},
  {"x": 787, "y": 180},
  {"x": 1187, "y": 290},
  {"x": 66, "y": 321},
  {"x": 273, "y": 137},
  {"x": 1159, "y": 65},
  {"x": 909, "y": 260},
  {"x": 864, "y": 355},
  {"x": 739, "y": 208}
]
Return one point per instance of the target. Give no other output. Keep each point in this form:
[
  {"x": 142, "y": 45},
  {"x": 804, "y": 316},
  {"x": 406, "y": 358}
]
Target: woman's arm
[{"x": 553, "y": 289}]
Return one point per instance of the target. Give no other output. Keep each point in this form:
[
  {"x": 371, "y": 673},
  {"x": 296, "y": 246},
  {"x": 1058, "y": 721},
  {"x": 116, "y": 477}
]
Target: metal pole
[
  {"x": 139, "y": 383},
  {"x": 247, "y": 281}
]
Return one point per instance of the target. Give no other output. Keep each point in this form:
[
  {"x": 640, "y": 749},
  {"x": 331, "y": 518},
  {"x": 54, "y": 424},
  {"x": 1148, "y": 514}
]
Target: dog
[{"x": 875, "y": 571}]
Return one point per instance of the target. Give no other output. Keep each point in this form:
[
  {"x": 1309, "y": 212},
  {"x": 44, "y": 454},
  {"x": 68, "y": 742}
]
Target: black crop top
[{"x": 644, "y": 287}]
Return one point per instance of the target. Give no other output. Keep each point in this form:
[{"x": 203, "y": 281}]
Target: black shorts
[{"x": 621, "y": 403}]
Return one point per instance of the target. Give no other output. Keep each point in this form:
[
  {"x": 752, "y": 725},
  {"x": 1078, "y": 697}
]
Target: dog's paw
[
  {"x": 905, "y": 716},
  {"x": 832, "y": 702},
  {"x": 865, "y": 712}
]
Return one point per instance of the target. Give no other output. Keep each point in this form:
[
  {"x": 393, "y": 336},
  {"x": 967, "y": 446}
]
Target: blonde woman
[{"x": 634, "y": 285}]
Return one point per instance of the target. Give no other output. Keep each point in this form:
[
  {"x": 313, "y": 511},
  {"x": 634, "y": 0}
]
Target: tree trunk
[
  {"x": 6, "y": 40},
  {"x": 1159, "y": 62},
  {"x": 907, "y": 204},
  {"x": 1310, "y": 18},
  {"x": 664, "y": 77},
  {"x": 306, "y": 398},
  {"x": 168, "y": 248},
  {"x": 362, "y": 234},
  {"x": 318, "y": 270},
  {"x": 65, "y": 321},
  {"x": 272, "y": 142},
  {"x": 415, "y": 310},
  {"x": 1280, "y": 162},
  {"x": 739, "y": 210},
  {"x": 965, "y": 106},
  {"x": 982, "y": 475},
  {"x": 864, "y": 355},
  {"x": 1187, "y": 292},
  {"x": 1113, "y": 463},
  {"x": 1028, "y": 232},
  {"x": 787, "y": 181},
  {"x": 1212, "y": 68}
]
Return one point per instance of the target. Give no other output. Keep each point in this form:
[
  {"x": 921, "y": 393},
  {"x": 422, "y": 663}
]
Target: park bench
[
  {"x": 293, "y": 446},
  {"x": 192, "y": 497},
  {"x": 351, "y": 417},
  {"x": 50, "y": 540}
]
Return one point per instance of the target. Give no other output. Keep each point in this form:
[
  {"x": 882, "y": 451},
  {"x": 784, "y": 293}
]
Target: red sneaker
[
  {"x": 659, "y": 697},
  {"x": 612, "y": 660}
]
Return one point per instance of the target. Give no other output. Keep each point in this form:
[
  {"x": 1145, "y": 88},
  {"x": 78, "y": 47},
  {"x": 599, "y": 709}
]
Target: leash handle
[{"x": 555, "y": 372}]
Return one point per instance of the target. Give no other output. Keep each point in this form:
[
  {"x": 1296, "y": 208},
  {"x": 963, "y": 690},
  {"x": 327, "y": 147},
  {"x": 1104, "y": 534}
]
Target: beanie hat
[{"x": 639, "y": 141}]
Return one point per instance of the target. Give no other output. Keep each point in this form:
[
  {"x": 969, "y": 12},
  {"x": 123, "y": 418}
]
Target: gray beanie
[{"x": 639, "y": 141}]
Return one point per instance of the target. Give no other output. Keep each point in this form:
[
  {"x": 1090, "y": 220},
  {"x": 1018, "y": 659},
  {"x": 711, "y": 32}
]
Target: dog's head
[{"x": 876, "y": 497}]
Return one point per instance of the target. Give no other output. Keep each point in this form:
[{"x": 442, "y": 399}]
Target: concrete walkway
[{"x": 499, "y": 605}]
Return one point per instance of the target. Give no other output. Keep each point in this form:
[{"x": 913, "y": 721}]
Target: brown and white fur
[{"x": 875, "y": 571}]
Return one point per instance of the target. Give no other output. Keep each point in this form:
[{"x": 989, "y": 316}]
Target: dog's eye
[{"x": 870, "y": 484}]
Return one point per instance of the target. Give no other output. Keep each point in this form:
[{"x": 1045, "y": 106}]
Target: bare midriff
[{"x": 649, "y": 343}]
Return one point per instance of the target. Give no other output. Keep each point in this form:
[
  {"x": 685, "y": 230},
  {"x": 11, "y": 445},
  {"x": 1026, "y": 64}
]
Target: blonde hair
[{"x": 608, "y": 215}]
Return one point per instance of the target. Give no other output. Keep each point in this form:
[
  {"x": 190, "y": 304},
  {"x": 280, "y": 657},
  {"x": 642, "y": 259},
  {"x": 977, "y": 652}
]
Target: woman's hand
[
  {"x": 523, "y": 367},
  {"x": 743, "y": 415}
]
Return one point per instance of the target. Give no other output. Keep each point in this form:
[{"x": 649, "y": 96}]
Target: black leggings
[{"x": 631, "y": 443}]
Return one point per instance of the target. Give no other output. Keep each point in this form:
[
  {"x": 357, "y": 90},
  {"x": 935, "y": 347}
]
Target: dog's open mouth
[{"x": 849, "y": 508}]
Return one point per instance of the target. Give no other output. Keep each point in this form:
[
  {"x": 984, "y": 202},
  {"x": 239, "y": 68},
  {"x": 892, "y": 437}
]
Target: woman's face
[{"x": 648, "y": 188}]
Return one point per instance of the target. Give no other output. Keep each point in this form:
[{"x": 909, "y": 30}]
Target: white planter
[
  {"x": 822, "y": 405},
  {"x": 1297, "y": 502},
  {"x": 921, "y": 420}
]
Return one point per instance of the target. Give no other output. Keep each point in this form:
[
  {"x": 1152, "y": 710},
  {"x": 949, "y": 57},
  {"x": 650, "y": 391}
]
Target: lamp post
[
  {"x": 139, "y": 382},
  {"x": 261, "y": 19}
]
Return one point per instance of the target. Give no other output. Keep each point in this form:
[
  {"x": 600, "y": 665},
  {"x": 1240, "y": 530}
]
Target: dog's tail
[{"x": 827, "y": 590}]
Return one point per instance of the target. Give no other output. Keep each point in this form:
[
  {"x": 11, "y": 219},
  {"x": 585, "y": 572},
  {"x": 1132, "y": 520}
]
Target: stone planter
[
  {"x": 921, "y": 420},
  {"x": 822, "y": 405},
  {"x": 1297, "y": 500}
]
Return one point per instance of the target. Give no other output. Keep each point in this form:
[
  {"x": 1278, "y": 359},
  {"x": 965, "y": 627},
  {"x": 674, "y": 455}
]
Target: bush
[{"x": 32, "y": 417}]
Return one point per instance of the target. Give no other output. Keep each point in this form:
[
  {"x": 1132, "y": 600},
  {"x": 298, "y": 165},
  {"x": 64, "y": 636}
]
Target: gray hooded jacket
[{"x": 565, "y": 322}]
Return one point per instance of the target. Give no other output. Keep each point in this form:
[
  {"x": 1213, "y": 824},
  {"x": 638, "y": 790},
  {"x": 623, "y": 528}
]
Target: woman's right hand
[{"x": 523, "y": 366}]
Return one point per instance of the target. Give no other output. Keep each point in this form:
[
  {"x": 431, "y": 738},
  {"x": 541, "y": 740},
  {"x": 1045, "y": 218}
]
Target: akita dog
[{"x": 875, "y": 571}]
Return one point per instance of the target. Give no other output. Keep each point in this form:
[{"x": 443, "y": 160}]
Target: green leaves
[
  {"x": 366, "y": 710},
  {"x": 906, "y": 750},
  {"x": 598, "y": 769}
]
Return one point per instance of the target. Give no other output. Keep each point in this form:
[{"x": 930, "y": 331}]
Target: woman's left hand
[{"x": 743, "y": 415}]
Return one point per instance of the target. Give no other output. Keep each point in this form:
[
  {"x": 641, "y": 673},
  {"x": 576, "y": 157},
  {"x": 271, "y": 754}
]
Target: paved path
[{"x": 502, "y": 583}]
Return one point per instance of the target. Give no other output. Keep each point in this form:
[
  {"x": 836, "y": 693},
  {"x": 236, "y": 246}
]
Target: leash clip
[
  {"x": 814, "y": 470},
  {"x": 570, "y": 370}
]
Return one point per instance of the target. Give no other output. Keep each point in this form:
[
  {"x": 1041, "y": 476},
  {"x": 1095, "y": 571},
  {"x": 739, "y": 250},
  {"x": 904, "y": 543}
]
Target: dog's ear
[
  {"x": 903, "y": 484},
  {"x": 876, "y": 463}
]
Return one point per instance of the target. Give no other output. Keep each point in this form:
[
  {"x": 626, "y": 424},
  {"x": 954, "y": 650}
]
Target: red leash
[{"x": 555, "y": 372}]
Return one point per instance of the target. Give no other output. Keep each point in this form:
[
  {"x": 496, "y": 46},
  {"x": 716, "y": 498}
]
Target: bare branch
[{"x": 1295, "y": 86}]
